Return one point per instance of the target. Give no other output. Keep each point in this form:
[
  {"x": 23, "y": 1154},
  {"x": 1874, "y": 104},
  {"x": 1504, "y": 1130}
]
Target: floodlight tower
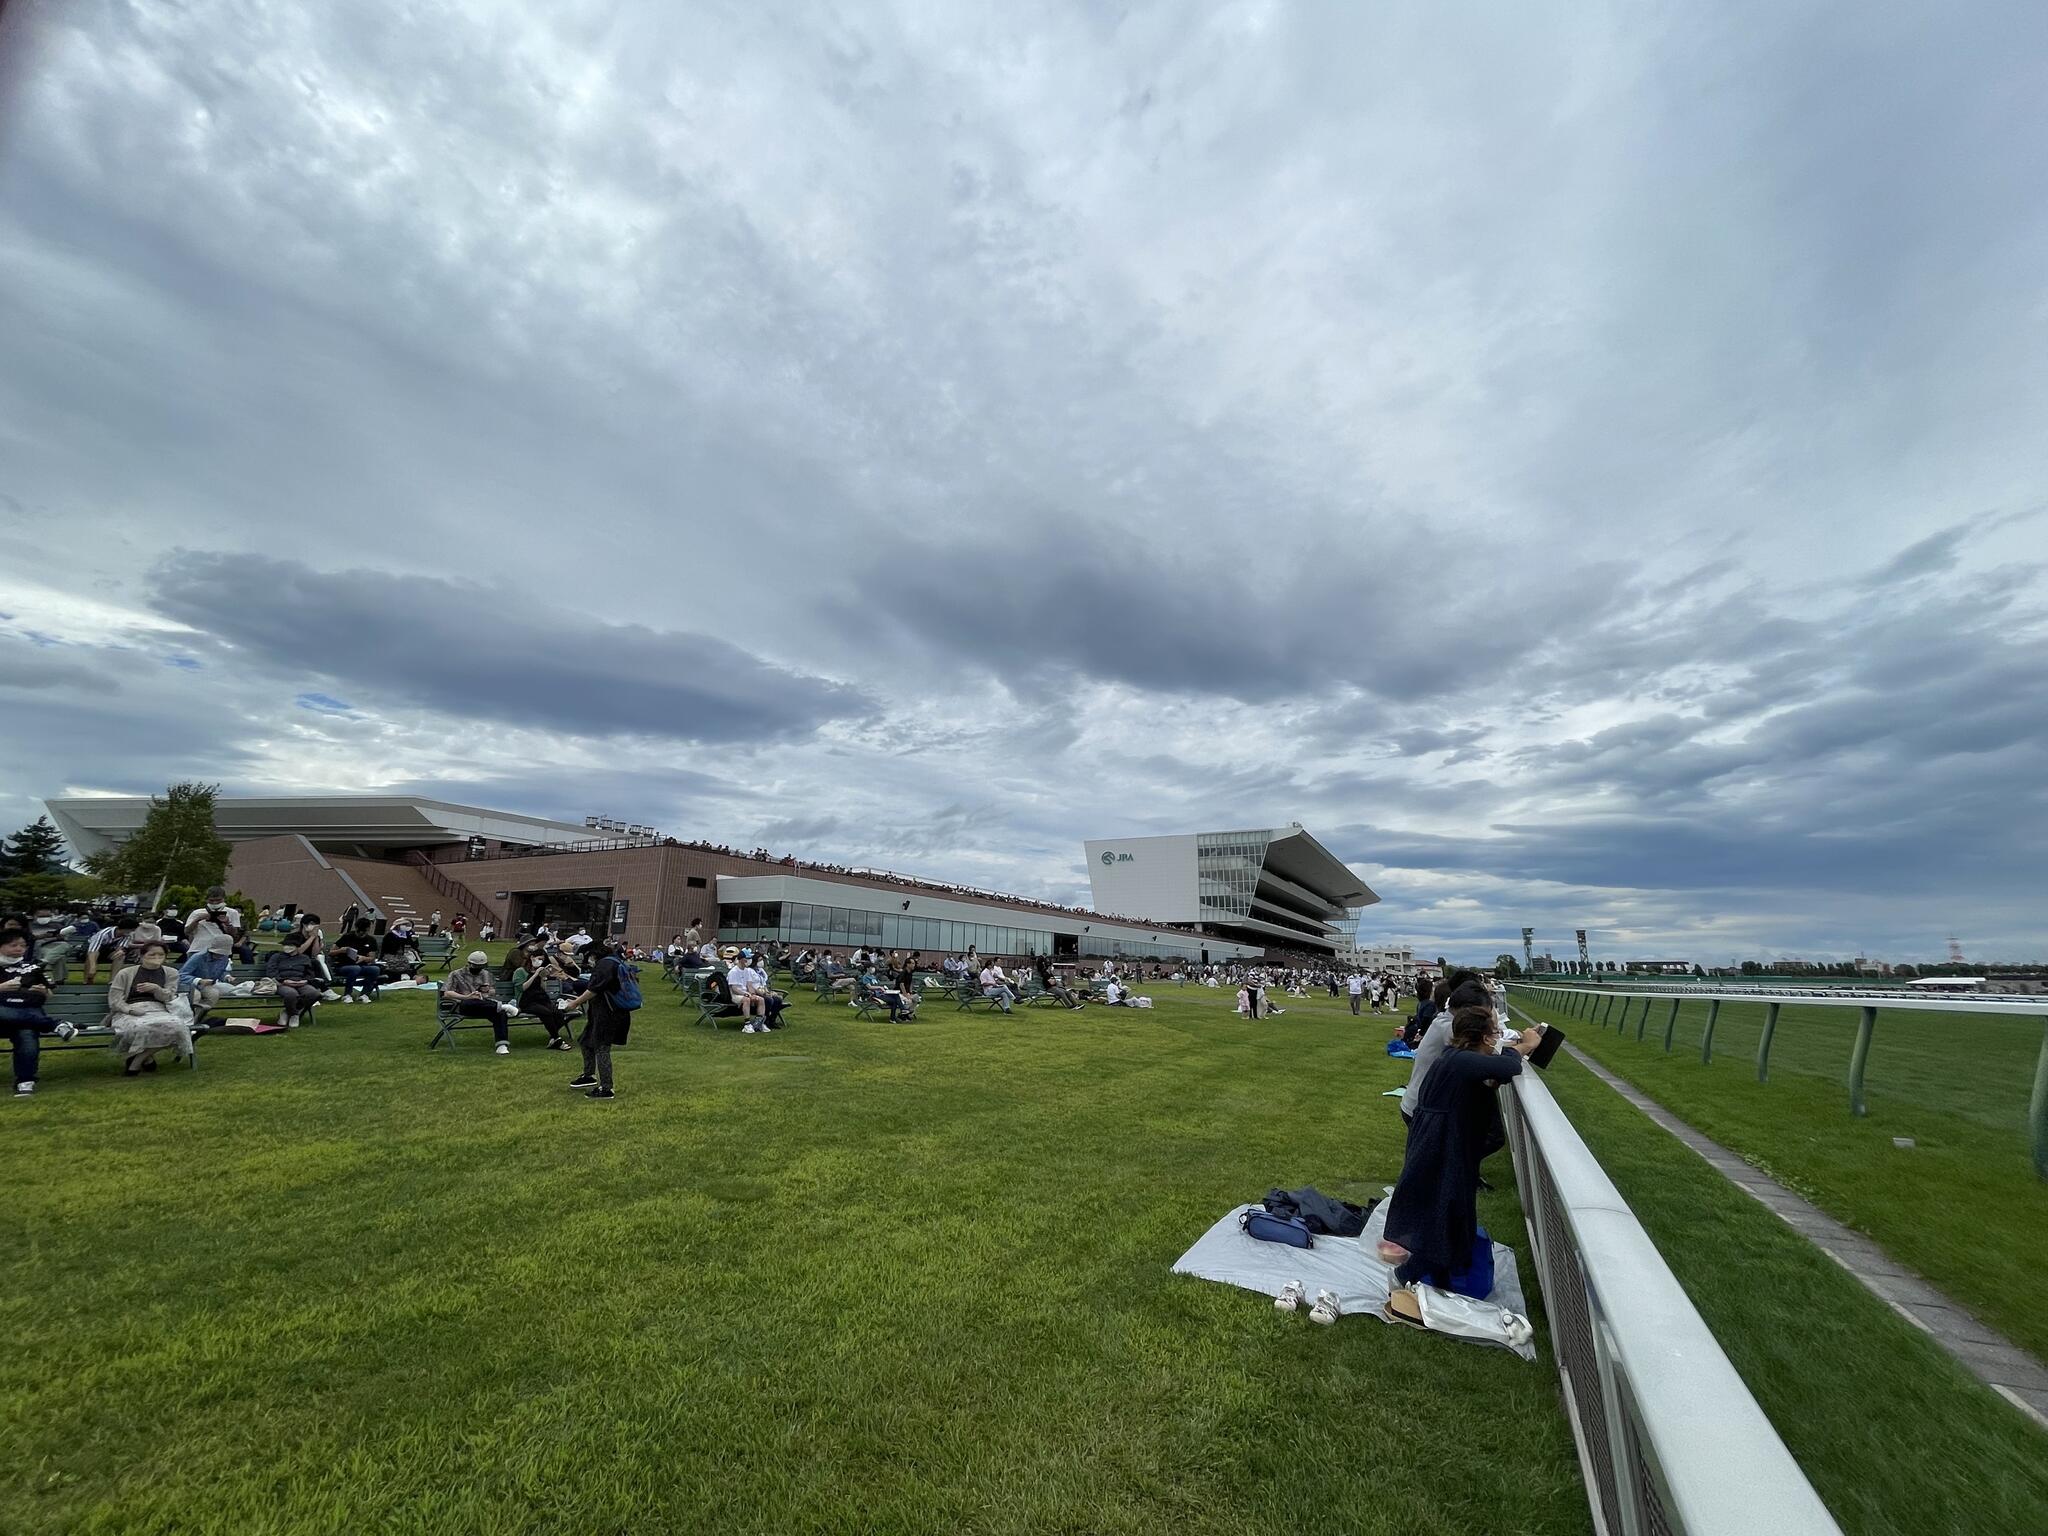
[
  {"x": 1585, "y": 964},
  {"x": 1955, "y": 951},
  {"x": 1528, "y": 952}
]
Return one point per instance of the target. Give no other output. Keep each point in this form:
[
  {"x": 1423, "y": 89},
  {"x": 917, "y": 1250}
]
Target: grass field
[
  {"x": 1962, "y": 1206},
  {"x": 851, "y": 1277},
  {"x": 1895, "y": 1436}
]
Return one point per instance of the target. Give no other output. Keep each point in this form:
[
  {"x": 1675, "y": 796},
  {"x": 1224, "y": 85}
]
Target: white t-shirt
[
  {"x": 988, "y": 977},
  {"x": 1356, "y": 986},
  {"x": 1113, "y": 993},
  {"x": 742, "y": 978}
]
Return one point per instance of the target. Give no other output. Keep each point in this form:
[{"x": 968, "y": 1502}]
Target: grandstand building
[
  {"x": 1278, "y": 888},
  {"x": 401, "y": 856}
]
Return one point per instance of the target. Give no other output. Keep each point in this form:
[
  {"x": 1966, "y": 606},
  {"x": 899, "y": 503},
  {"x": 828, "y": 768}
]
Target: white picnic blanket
[{"x": 1349, "y": 1267}]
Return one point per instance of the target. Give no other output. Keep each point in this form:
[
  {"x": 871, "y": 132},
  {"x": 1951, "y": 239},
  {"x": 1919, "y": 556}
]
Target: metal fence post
[
  {"x": 1707, "y": 1036},
  {"x": 1670, "y": 1024},
  {"x": 1644, "y": 1022},
  {"x": 1763, "y": 1045},
  {"x": 1859, "y": 1060},
  {"x": 2037, "y": 1111}
]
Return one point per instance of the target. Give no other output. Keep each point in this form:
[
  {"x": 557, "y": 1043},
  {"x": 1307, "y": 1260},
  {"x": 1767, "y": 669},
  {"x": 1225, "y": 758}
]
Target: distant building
[
  {"x": 1276, "y": 887},
  {"x": 1660, "y": 967}
]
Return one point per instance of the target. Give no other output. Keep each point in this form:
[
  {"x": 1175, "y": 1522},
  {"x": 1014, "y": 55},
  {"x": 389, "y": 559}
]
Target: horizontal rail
[{"x": 1669, "y": 1436}]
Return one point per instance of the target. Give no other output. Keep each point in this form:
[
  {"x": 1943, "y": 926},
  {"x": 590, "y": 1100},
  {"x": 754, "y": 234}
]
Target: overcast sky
[{"x": 1589, "y": 466}]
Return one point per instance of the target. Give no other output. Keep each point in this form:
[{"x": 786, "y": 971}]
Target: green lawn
[
  {"x": 1895, "y": 1436},
  {"x": 1962, "y": 1206},
  {"x": 853, "y": 1277}
]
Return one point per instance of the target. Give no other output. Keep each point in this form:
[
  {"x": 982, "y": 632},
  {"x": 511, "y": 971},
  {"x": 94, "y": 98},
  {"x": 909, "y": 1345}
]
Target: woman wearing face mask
[{"x": 139, "y": 1013}]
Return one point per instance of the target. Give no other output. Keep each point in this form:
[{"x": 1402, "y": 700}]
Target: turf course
[
  {"x": 1963, "y": 1206},
  {"x": 1895, "y": 1436},
  {"x": 850, "y": 1277}
]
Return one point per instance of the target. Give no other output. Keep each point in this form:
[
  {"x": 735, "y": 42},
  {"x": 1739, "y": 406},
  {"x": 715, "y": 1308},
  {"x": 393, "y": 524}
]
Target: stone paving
[{"x": 1981, "y": 1349}]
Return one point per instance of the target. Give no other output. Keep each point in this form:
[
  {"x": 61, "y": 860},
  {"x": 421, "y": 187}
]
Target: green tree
[
  {"x": 176, "y": 845},
  {"x": 37, "y": 849},
  {"x": 1904, "y": 970},
  {"x": 1506, "y": 965}
]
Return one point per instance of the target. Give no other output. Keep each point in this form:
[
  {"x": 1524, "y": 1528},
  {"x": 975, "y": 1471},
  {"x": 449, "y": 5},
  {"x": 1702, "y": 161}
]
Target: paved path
[{"x": 1983, "y": 1351}]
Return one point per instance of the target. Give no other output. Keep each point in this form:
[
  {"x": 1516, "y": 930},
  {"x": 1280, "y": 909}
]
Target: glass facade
[
  {"x": 824, "y": 927},
  {"x": 1227, "y": 866}
]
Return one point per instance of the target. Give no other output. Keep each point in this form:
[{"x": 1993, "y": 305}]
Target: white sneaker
[
  {"x": 65, "y": 1030},
  {"x": 1326, "y": 1310},
  {"x": 23, "y": 1090},
  {"x": 1289, "y": 1297},
  {"x": 292, "y": 1022},
  {"x": 330, "y": 996},
  {"x": 748, "y": 1029},
  {"x": 504, "y": 1048}
]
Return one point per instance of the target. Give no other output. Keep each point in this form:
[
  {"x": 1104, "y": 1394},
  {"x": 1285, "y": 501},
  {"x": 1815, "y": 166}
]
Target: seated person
[
  {"x": 804, "y": 967},
  {"x": 995, "y": 986},
  {"x": 717, "y": 996},
  {"x": 109, "y": 946},
  {"x": 749, "y": 988},
  {"x": 840, "y": 977},
  {"x": 901, "y": 1003},
  {"x": 210, "y": 936},
  {"x": 1049, "y": 979},
  {"x": 355, "y": 967},
  {"x": 536, "y": 987},
  {"x": 473, "y": 992},
  {"x": 295, "y": 967},
  {"x": 24, "y": 989},
  {"x": 139, "y": 1010}
]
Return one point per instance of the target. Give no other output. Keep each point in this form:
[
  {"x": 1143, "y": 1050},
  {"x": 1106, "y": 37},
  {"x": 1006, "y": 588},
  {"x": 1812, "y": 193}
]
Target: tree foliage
[
  {"x": 37, "y": 849},
  {"x": 176, "y": 844}
]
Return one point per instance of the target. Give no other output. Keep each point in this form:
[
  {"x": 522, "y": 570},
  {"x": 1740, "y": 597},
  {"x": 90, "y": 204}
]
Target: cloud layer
[{"x": 1589, "y": 474}]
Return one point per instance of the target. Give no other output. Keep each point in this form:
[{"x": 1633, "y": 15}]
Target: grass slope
[
  {"x": 1962, "y": 1206},
  {"x": 1896, "y": 1437},
  {"x": 851, "y": 1277}
]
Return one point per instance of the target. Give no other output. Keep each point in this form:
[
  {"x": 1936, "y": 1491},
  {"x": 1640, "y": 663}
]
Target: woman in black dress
[
  {"x": 607, "y": 1024},
  {"x": 1434, "y": 1210}
]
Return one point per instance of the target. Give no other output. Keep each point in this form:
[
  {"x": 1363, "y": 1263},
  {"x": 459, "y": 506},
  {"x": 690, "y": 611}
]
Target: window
[
  {"x": 695, "y": 882},
  {"x": 799, "y": 916}
]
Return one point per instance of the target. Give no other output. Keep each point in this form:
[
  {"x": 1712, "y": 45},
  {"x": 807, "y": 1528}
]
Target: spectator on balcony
[{"x": 474, "y": 993}]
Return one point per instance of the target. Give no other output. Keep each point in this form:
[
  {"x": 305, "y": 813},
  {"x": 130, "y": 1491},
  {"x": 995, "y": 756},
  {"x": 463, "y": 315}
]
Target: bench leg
[{"x": 446, "y": 1031}]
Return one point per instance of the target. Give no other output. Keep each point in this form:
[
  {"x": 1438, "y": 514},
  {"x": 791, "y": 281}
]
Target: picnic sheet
[{"x": 1349, "y": 1267}]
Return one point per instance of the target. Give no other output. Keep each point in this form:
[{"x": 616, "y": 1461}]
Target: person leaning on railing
[{"x": 1433, "y": 1214}]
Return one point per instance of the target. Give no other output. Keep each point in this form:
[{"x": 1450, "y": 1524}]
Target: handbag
[
  {"x": 1259, "y": 1223},
  {"x": 266, "y": 986}
]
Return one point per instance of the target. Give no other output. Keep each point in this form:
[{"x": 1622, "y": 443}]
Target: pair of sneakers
[{"x": 1326, "y": 1310}]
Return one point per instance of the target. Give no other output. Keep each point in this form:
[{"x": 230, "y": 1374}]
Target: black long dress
[{"x": 1434, "y": 1210}]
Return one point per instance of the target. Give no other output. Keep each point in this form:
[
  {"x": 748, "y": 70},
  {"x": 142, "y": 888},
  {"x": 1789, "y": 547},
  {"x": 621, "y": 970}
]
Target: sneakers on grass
[
  {"x": 23, "y": 1090},
  {"x": 585, "y": 1080},
  {"x": 1326, "y": 1310},
  {"x": 1289, "y": 1297},
  {"x": 600, "y": 1093},
  {"x": 504, "y": 1048}
]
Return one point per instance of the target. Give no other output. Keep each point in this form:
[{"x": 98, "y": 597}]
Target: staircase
[{"x": 403, "y": 890}]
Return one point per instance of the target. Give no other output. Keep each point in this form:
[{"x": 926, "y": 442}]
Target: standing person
[
  {"x": 24, "y": 988},
  {"x": 459, "y": 926},
  {"x": 1434, "y": 1211},
  {"x": 1354, "y": 984},
  {"x": 608, "y": 1021},
  {"x": 434, "y": 924},
  {"x": 139, "y": 1012},
  {"x": 1254, "y": 996},
  {"x": 349, "y": 915}
]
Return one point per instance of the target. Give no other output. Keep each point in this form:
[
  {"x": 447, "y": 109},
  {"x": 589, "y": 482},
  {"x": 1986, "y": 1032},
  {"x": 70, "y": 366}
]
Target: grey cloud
[{"x": 482, "y": 652}]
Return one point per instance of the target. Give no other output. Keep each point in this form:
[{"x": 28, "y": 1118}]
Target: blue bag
[
  {"x": 1262, "y": 1224},
  {"x": 627, "y": 998},
  {"x": 1475, "y": 1279}
]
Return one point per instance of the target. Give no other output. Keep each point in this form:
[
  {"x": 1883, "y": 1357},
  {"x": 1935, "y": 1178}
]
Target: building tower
[
  {"x": 1528, "y": 951},
  {"x": 1955, "y": 951},
  {"x": 1585, "y": 963}
]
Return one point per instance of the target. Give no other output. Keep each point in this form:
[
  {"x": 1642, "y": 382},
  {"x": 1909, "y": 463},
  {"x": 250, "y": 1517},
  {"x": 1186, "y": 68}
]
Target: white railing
[
  {"x": 1598, "y": 1005},
  {"x": 1669, "y": 1438}
]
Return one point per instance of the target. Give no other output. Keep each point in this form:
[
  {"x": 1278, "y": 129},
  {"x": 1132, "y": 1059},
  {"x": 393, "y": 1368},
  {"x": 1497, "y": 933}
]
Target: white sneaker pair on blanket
[{"x": 1326, "y": 1310}]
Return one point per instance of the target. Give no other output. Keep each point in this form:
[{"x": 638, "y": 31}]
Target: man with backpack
[{"x": 610, "y": 999}]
